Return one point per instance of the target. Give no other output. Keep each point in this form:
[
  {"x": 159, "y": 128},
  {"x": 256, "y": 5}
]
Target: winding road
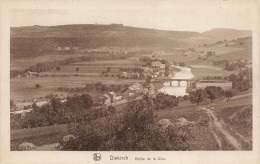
[{"x": 219, "y": 126}]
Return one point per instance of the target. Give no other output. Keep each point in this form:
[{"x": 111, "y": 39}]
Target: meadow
[
  {"x": 24, "y": 88},
  {"x": 204, "y": 72},
  {"x": 23, "y": 63}
]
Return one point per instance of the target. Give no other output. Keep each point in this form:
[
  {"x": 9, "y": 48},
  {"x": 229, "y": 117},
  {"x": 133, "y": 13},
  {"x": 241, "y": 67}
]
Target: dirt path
[
  {"x": 237, "y": 97},
  {"x": 220, "y": 128}
]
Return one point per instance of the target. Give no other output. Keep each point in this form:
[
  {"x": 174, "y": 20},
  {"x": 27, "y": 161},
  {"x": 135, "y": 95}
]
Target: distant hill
[
  {"x": 39, "y": 40},
  {"x": 220, "y": 33}
]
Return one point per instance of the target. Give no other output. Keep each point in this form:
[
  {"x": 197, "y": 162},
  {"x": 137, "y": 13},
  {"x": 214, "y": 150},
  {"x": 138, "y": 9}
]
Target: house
[
  {"x": 31, "y": 74},
  {"x": 147, "y": 69},
  {"x": 158, "y": 65},
  {"x": 118, "y": 98},
  {"x": 107, "y": 99},
  {"x": 124, "y": 74},
  {"x": 112, "y": 96},
  {"x": 162, "y": 66},
  {"x": 66, "y": 48},
  {"x": 19, "y": 76},
  {"x": 135, "y": 75},
  {"x": 135, "y": 87},
  {"x": 149, "y": 89}
]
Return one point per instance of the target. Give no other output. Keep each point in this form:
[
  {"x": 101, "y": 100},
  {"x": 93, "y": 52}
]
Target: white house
[{"x": 31, "y": 74}]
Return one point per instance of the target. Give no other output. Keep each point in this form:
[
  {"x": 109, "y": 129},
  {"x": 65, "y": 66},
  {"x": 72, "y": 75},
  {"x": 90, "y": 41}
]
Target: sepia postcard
[{"x": 120, "y": 81}]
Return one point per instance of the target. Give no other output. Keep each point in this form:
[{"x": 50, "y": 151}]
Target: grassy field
[
  {"x": 235, "y": 55},
  {"x": 131, "y": 62},
  {"x": 203, "y": 72},
  {"x": 23, "y": 63},
  {"x": 97, "y": 67},
  {"x": 24, "y": 88},
  {"x": 38, "y": 136}
]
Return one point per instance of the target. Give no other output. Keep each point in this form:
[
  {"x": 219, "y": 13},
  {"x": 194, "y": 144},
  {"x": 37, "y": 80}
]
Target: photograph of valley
[{"x": 131, "y": 81}]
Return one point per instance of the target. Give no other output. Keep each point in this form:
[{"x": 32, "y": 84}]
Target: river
[{"x": 185, "y": 73}]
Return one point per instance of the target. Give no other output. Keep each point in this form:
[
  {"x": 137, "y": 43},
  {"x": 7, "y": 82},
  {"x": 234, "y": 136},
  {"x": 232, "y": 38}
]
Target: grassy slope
[
  {"x": 38, "y": 136},
  {"x": 236, "y": 114}
]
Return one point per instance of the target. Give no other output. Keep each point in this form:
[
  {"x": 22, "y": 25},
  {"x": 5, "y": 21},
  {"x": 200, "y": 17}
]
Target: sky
[{"x": 175, "y": 15}]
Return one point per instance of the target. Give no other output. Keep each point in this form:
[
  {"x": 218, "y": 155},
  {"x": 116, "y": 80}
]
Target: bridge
[{"x": 162, "y": 80}]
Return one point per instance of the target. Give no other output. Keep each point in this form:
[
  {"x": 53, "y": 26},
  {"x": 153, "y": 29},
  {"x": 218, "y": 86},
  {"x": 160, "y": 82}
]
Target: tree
[
  {"x": 163, "y": 101},
  {"x": 197, "y": 96},
  {"x": 12, "y": 105},
  {"x": 85, "y": 101},
  {"x": 167, "y": 70},
  {"x": 58, "y": 68},
  {"x": 108, "y": 69},
  {"x": 213, "y": 92},
  {"x": 209, "y": 53},
  {"x": 148, "y": 79},
  {"x": 37, "y": 86},
  {"x": 77, "y": 68},
  {"x": 229, "y": 67},
  {"x": 182, "y": 64},
  {"x": 111, "y": 109},
  {"x": 228, "y": 94}
]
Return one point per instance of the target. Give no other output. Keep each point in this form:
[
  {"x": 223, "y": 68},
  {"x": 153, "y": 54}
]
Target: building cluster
[
  {"x": 28, "y": 74},
  {"x": 157, "y": 69},
  {"x": 132, "y": 91}
]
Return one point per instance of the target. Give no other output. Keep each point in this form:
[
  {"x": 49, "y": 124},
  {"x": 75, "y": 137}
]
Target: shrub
[
  {"x": 163, "y": 101},
  {"x": 37, "y": 86}
]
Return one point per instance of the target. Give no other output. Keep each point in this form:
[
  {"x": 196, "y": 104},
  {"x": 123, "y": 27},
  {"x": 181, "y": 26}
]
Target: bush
[
  {"x": 37, "y": 86},
  {"x": 163, "y": 101},
  {"x": 197, "y": 96},
  {"x": 58, "y": 68},
  {"x": 228, "y": 94},
  {"x": 182, "y": 64}
]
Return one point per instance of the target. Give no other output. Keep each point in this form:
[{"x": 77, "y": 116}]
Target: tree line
[
  {"x": 100, "y": 87},
  {"x": 210, "y": 92}
]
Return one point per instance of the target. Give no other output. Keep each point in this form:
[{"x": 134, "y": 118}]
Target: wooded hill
[{"x": 39, "y": 40}]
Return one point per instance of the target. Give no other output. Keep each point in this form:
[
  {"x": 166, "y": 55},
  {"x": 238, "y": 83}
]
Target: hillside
[
  {"x": 221, "y": 33},
  {"x": 40, "y": 40}
]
